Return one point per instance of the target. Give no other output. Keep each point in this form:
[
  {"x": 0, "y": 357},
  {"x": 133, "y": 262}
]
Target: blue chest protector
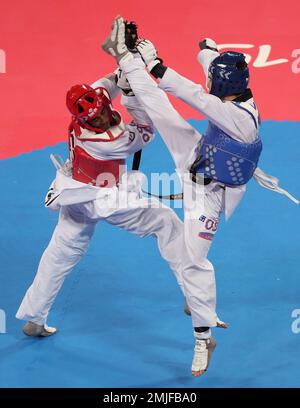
[{"x": 225, "y": 159}]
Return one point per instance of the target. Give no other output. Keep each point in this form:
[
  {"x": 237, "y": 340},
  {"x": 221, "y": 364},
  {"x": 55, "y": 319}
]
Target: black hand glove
[{"x": 131, "y": 35}]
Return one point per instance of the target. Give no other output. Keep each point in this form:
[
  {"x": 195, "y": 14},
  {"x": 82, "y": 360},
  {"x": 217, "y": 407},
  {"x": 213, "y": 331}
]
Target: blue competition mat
[{"x": 119, "y": 313}]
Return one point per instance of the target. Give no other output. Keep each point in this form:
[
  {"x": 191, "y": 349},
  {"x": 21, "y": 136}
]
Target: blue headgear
[{"x": 229, "y": 74}]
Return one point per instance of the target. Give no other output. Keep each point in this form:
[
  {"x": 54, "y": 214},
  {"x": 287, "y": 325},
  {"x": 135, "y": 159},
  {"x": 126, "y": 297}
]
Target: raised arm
[
  {"x": 217, "y": 111},
  {"x": 109, "y": 83},
  {"x": 222, "y": 113}
]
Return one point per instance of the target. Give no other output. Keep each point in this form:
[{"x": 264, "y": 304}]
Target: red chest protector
[
  {"x": 102, "y": 173},
  {"x": 87, "y": 169}
]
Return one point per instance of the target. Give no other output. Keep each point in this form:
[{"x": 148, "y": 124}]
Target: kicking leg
[{"x": 154, "y": 218}]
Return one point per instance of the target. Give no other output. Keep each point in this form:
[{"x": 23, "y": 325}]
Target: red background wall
[{"x": 49, "y": 45}]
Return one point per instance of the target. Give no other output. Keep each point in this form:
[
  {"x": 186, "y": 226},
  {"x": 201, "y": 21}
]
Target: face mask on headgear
[
  {"x": 229, "y": 74},
  {"x": 85, "y": 103}
]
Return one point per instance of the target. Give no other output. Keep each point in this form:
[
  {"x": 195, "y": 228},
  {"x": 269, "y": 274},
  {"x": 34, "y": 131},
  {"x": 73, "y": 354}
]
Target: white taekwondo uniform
[
  {"x": 82, "y": 205},
  {"x": 202, "y": 205}
]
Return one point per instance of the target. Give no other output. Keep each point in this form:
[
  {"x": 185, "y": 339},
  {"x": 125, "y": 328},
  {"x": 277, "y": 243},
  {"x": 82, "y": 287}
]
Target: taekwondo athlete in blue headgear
[{"x": 222, "y": 161}]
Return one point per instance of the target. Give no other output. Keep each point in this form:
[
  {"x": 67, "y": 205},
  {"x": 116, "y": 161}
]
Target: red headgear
[{"x": 85, "y": 103}]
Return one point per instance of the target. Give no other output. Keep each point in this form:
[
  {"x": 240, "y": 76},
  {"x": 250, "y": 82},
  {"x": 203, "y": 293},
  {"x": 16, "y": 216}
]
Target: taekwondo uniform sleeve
[
  {"x": 174, "y": 130},
  {"x": 108, "y": 82},
  {"x": 223, "y": 114},
  {"x": 205, "y": 57},
  {"x": 136, "y": 110}
]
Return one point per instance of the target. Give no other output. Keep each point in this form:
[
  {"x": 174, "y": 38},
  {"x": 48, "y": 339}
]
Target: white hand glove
[
  {"x": 148, "y": 53},
  {"x": 115, "y": 42}
]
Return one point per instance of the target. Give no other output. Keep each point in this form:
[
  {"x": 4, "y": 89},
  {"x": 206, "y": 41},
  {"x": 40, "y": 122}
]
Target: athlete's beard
[
  {"x": 102, "y": 121},
  {"x": 99, "y": 124}
]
